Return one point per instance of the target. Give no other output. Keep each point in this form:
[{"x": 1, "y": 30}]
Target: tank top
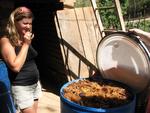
[{"x": 29, "y": 73}]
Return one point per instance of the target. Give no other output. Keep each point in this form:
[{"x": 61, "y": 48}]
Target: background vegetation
[{"x": 136, "y": 13}]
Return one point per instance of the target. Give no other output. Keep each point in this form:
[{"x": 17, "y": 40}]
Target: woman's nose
[{"x": 28, "y": 26}]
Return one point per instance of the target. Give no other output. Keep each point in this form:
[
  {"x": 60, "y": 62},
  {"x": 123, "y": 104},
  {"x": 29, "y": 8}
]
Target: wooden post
[
  {"x": 98, "y": 17},
  {"x": 119, "y": 12}
]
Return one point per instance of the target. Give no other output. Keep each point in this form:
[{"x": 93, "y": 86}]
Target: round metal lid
[{"x": 125, "y": 59}]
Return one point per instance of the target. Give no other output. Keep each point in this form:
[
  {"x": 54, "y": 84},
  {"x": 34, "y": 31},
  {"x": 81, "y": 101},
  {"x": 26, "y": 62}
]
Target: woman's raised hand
[{"x": 28, "y": 37}]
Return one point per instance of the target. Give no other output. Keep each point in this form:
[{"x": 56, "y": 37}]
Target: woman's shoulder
[
  {"x": 4, "y": 42},
  {"x": 4, "y": 39}
]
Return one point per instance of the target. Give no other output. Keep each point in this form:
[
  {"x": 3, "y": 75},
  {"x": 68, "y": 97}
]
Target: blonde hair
[{"x": 17, "y": 15}]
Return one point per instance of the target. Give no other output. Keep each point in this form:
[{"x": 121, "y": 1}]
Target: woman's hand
[
  {"x": 28, "y": 37},
  {"x": 136, "y": 31},
  {"x": 144, "y": 36}
]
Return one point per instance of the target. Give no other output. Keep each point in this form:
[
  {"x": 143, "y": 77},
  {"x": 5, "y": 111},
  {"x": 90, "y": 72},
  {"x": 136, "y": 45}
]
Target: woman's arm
[
  {"x": 145, "y": 36},
  {"x": 15, "y": 62}
]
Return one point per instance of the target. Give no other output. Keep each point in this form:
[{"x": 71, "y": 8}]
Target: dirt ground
[{"x": 49, "y": 103}]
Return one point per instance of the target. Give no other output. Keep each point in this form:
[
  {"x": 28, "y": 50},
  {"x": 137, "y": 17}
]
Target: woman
[
  {"x": 145, "y": 37},
  {"x": 19, "y": 55}
]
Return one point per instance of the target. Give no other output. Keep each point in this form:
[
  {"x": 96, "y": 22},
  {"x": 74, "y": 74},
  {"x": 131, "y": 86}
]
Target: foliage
[
  {"x": 136, "y": 10},
  {"x": 82, "y": 3},
  {"x": 108, "y": 14},
  {"x": 144, "y": 25},
  {"x": 131, "y": 9},
  {"x": 138, "y": 6}
]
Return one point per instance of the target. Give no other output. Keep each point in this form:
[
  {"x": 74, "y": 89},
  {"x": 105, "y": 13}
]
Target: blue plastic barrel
[
  {"x": 6, "y": 101},
  {"x": 68, "y": 106}
]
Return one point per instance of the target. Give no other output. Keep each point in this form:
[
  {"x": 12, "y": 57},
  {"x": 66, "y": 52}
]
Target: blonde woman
[{"x": 19, "y": 55}]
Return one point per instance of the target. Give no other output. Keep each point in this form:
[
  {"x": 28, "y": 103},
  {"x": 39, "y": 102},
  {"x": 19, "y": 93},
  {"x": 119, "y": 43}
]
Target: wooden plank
[
  {"x": 96, "y": 12},
  {"x": 66, "y": 20},
  {"x": 96, "y": 26},
  {"x": 69, "y": 28},
  {"x": 84, "y": 34},
  {"x": 59, "y": 32},
  {"x": 79, "y": 36},
  {"x": 90, "y": 23},
  {"x": 73, "y": 48}
]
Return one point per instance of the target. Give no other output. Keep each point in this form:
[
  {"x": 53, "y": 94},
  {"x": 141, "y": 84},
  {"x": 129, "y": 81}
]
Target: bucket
[
  {"x": 6, "y": 101},
  {"x": 68, "y": 106}
]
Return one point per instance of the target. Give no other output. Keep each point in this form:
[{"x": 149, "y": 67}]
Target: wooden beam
[
  {"x": 119, "y": 12},
  {"x": 96, "y": 12}
]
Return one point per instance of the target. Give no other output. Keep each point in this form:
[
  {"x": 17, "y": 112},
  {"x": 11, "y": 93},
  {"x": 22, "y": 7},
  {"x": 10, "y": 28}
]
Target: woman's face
[{"x": 24, "y": 25}]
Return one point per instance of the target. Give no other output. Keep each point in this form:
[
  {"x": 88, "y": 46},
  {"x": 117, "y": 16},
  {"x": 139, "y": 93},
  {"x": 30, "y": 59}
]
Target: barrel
[
  {"x": 6, "y": 101},
  {"x": 68, "y": 106}
]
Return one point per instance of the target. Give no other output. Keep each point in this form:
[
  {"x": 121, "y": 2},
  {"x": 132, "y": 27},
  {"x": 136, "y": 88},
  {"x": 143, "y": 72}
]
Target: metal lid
[{"x": 124, "y": 58}]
